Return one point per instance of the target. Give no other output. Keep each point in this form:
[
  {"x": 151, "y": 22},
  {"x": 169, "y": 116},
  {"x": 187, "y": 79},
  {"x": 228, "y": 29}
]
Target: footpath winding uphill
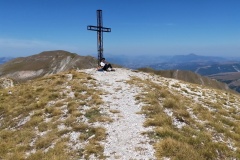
[{"x": 125, "y": 139}]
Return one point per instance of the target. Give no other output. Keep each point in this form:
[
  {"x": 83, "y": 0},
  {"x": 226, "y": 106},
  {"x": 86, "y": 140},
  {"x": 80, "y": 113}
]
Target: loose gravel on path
[{"x": 124, "y": 135}]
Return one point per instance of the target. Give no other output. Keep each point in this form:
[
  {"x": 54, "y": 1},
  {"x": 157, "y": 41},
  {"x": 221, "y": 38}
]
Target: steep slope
[
  {"x": 220, "y": 70},
  {"x": 231, "y": 78},
  {"x": 188, "y": 76},
  {"x": 45, "y": 63},
  {"x": 87, "y": 114}
]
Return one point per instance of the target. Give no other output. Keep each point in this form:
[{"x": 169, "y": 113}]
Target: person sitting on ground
[{"x": 105, "y": 65}]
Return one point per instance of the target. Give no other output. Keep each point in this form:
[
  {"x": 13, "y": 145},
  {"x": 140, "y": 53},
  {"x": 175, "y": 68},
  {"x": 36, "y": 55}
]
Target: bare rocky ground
[
  {"x": 124, "y": 135},
  {"x": 5, "y": 83}
]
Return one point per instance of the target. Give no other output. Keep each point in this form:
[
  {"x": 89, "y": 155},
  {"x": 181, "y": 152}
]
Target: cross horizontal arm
[{"x": 96, "y": 28}]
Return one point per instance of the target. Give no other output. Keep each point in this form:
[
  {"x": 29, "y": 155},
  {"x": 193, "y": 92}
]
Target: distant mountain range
[{"x": 163, "y": 62}]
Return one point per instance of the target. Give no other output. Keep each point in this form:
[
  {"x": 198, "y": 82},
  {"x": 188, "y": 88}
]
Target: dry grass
[
  {"x": 197, "y": 139},
  {"x": 114, "y": 111},
  {"x": 31, "y": 116},
  {"x": 174, "y": 149},
  {"x": 40, "y": 116}
]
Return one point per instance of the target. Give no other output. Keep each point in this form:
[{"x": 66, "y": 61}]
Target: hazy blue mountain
[
  {"x": 164, "y": 62},
  {"x": 136, "y": 61},
  {"x": 5, "y": 59},
  {"x": 203, "y": 68},
  {"x": 195, "y": 58}
]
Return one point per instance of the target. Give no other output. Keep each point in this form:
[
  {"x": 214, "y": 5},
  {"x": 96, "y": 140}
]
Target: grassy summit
[{"x": 61, "y": 117}]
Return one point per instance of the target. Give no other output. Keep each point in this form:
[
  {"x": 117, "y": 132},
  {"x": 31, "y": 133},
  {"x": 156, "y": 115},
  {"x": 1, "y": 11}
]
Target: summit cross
[{"x": 100, "y": 29}]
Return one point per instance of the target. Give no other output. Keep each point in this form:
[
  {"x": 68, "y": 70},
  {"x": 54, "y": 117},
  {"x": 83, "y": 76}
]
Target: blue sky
[{"x": 152, "y": 27}]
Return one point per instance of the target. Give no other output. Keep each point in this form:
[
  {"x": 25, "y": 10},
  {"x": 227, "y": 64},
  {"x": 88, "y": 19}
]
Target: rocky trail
[{"x": 124, "y": 135}]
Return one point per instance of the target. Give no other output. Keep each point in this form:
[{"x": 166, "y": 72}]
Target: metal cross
[{"x": 100, "y": 29}]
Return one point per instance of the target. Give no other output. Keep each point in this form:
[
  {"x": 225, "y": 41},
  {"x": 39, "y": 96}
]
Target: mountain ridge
[
  {"x": 51, "y": 62},
  {"x": 44, "y": 63}
]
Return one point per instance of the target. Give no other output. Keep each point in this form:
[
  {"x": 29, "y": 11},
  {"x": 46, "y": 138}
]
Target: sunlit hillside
[{"x": 45, "y": 63}]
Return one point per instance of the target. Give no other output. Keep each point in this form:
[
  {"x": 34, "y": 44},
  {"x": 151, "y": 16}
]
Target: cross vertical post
[{"x": 100, "y": 29}]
